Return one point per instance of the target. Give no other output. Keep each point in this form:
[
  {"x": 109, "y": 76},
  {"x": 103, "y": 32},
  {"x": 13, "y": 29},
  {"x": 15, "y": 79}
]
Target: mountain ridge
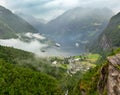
[
  {"x": 11, "y": 23},
  {"x": 109, "y": 39},
  {"x": 78, "y": 25}
]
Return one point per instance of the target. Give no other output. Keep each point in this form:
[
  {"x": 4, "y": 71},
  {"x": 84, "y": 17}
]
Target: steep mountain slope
[
  {"x": 110, "y": 38},
  {"x": 79, "y": 25},
  {"x": 11, "y": 24},
  {"x": 16, "y": 32},
  {"x": 39, "y": 24}
]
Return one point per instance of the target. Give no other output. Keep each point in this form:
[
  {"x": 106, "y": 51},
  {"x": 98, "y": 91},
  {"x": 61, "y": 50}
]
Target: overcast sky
[{"x": 49, "y": 9}]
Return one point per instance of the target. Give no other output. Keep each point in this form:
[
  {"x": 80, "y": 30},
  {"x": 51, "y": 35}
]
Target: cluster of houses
[{"x": 73, "y": 64}]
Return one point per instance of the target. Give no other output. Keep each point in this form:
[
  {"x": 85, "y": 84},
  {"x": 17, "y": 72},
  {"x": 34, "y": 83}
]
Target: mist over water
[
  {"x": 35, "y": 46},
  {"x": 32, "y": 46}
]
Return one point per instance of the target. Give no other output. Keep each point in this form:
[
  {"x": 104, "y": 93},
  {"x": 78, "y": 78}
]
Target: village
[{"x": 73, "y": 64}]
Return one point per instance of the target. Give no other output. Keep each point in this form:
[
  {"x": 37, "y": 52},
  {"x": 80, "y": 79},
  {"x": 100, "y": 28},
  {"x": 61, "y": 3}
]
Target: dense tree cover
[
  {"x": 23, "y": 72},
  {"x": 29, "y": 60},
  {"x": 11, "y": 55},
  {"x": 16, "y": 80}
]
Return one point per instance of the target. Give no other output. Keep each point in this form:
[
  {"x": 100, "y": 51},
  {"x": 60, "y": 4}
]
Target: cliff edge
[{"x": 109, "y": 82}]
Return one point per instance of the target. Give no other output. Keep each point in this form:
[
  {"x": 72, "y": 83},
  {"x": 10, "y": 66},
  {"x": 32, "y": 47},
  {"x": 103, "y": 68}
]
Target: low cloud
[
  {"x": 63, "y": 4},
  {"x": 33, "y": 46},
  {"x": 33, "y": 35}
]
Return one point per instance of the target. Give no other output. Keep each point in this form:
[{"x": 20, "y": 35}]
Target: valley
[
  {"x": 60, "y": 68},
  {"x": 76, "y": 53},
  {"x": 74, "y": 36}
]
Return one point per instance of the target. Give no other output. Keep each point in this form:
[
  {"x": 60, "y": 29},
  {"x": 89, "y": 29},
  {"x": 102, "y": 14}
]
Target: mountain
[
  {"x": 17, "y": 32},
  {"x": 11, "y": 24},
  {"x": 35, "y": 22},
  {"x": 110, "y": 37},
  {"x": 78, "y": 25}
]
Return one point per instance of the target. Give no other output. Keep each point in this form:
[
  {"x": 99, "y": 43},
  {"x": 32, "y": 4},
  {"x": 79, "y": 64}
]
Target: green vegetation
[
  {"x": 112, "y": 31},
  {"x": 90, "y": 57},
  {"x": 70, "y": 81},
  {"x": 18, "y": 66},
  {"x": 29, "y": 60},
  {"x": 93, "y": 57},
  {"x": 24, "y": 73},
  {"x": 26, "y": 61},
  {"x": 15, "y": 80},
  {"x": 23, "y": 60},
  {"x": 88, "y": 83},
  {"x": 110, "y": 38}
]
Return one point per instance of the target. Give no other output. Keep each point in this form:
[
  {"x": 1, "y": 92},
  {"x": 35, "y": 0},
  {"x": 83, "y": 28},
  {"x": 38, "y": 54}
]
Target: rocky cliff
[{"x": 110, "y": 77}]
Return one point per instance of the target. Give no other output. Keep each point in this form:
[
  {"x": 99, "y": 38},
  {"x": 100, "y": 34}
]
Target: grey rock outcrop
[
  {"x": 113, "y": 82},
  {"x": 109, "y": 83}
]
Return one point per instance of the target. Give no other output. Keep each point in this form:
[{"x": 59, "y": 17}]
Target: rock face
[
  {"x": 105, "y": 43},
  {"x": 109, "y": 82},
  {"x": 113, "y": 82},
  {"x": 103, "y": 80}
]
